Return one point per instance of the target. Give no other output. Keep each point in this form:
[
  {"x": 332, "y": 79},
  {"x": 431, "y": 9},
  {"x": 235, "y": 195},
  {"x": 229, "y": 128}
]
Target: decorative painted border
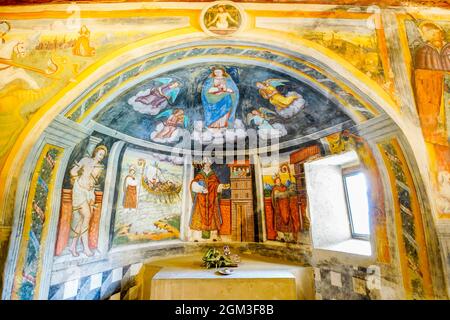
[
  {"x": 408, "y": 222},
  {"x": 37, "y": 218}
]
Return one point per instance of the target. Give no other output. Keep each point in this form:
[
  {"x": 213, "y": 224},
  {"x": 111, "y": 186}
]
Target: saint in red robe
[
  {"x": 130, "y": 193},
  {"x": 206, "y": 212},
  {"x": 286, "y": 214}
]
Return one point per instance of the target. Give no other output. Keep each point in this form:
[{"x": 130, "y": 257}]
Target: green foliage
[
  {"x": 214, "y": 259},
  {"x": 174, "y": 221}
]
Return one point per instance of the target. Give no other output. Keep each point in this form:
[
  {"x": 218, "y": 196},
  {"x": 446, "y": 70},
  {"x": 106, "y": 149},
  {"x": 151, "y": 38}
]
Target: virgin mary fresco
[{"x": 220, "y": 97}]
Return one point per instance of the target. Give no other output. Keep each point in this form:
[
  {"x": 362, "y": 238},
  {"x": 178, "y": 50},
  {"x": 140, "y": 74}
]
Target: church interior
[{"x": 197, "y": 150}]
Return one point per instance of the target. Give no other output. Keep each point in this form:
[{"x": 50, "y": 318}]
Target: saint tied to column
[
  {"x": 206, "y": 189},
  {"x": 85, "y": 175}
]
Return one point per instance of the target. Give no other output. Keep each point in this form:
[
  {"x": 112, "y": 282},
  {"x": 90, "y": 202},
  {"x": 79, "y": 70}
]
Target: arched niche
[{"x": 71, "y": 112}]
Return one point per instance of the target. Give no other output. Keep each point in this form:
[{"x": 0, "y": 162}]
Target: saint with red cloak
[
  {"x": 205, "y": 189},
  {"x": 286, "y": 213},
  {"x": 130, "y": 190}
]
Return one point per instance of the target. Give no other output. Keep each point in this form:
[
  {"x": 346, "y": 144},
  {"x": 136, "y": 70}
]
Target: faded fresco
[
  {"x": 430, "y": 53},
  {"x": 359, "y": 41},
  {"x": 40, "y": 58},
  {"x": 412, "y": 247},
  {"x": 38, "y": 214},
  {"x": 149, "y": 198}
]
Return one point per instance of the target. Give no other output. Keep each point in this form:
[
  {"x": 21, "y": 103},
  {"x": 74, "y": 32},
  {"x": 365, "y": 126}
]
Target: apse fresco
[
  {"x": 218, "y": 103},
  {"x": 148, "y": 206},
  {"x": 113, "y": 115},
  {"x": 210, "y": 214}
]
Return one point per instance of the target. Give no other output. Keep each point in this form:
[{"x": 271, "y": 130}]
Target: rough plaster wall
[
  {"x": 327, "y": 205},
  {"x": 335, "y": 281}
]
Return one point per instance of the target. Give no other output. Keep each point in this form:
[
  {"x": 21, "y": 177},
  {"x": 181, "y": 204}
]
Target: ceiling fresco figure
[
  {"x": 262, "y": 119},
  {"x": 220, "y": 97},
  {"x": 222, "y": 19},
  {"x": 285, "y": 105},
  {"x": 168, "y": 130},
  {"x": 152, "y": 100}
]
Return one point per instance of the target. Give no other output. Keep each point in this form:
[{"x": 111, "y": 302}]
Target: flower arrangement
[{"x": 214, "y": 259}]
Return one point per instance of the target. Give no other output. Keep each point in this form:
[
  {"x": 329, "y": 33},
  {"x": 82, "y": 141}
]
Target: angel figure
[
  {"x": 260, "y": 118},
  {"x": 168, "y": 130},
  {"x": 286, "y": 106},
  {"x": 153, "y": 100}
]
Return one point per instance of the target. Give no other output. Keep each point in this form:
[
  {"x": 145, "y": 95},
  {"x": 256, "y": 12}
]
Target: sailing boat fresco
[
  {"x": 156, "y": 216},
  {"x": 158, "y": 186}
]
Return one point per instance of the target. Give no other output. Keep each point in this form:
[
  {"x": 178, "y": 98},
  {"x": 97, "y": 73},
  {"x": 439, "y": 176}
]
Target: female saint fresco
[{"x": 220, "y": 97}]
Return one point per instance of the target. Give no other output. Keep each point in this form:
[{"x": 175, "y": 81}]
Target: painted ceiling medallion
[{"x": 222, "y": 18}]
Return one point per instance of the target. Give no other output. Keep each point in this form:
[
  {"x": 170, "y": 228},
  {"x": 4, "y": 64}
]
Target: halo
[{"x": 427, "y": 22}]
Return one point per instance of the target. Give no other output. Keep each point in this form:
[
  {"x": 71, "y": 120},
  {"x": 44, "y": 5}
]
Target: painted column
[
  {"x": 52, "y": 151},
  {"x": 108, "y": 196}
]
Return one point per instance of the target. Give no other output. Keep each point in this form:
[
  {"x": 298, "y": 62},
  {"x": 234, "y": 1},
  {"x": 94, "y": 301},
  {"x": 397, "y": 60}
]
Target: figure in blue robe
[{"x": 220, "y": 97}]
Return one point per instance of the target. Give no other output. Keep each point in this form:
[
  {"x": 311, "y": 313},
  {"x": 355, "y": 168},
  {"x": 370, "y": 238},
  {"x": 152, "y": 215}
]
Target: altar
[{"x": 254, "y": 279}]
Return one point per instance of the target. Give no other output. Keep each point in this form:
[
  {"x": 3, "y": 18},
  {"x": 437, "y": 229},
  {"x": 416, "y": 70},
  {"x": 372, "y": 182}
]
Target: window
[
  {"x": 338, "y": 204},
  {"x": 357, "y": 204}
]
